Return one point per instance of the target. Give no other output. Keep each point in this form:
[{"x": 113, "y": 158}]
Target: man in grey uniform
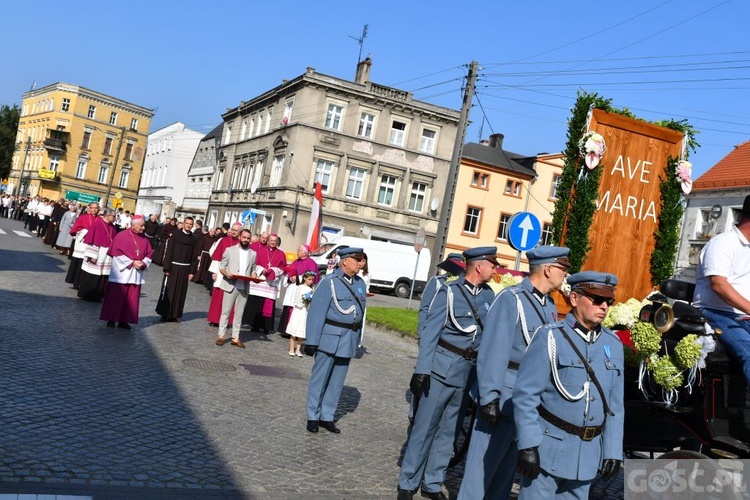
[
  {"x": 515, "y": 315},
  {"x": 334, "y": 326},
  {"x": 568, "y": 397},
  {"x": 447, "y": 356}
]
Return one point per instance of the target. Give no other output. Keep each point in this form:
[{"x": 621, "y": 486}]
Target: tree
[{"x": 9, "y": 117}]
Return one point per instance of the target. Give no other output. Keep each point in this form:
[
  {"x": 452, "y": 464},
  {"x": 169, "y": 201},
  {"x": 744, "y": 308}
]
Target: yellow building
[
  {"x": 79, "y": 144},
  {"x": 493, "y": 185}
]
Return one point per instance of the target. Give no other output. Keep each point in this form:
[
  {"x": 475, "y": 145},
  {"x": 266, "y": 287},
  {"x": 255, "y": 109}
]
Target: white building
[
  {"x": 713, "y": 206},
  {"x": 200, "y": 178},
  {"x": 169, "y": 154}
]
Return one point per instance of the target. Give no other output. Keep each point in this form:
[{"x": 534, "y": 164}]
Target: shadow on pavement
[
  {"x": 13, "y": 260},
  {"x": 82, "y": 403}
]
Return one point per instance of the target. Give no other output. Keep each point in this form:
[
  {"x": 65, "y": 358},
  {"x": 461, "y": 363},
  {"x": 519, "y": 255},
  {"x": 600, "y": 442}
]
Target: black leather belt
[
  {"x": 585, "y": 433},
  {"x": 513, "y": 365},
  {"x": 469, "y": 353},
  {"x": 350, "y": 326}
]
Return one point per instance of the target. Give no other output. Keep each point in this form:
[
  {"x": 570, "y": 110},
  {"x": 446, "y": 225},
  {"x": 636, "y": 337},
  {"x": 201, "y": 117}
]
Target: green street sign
[{"x": 82, "y": 197}]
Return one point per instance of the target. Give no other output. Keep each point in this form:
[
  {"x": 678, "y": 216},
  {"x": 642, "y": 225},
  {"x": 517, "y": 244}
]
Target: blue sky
[{"x": 191, "y": 60}]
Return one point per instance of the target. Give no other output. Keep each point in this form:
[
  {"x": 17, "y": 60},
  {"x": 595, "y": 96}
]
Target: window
[
  {"x": 355, "y": 183},
  {"x": 471, "y": 222},
  {"x": 398, "y": 133},
  {"x": 86, "y": 142},
  {"x": 366, "y": 125},
  {"x": 387, "y": 188},
  {"x": 427, "y": 142},
  {"x": 288, "y": 107},
  {"x": 54, "y": 162},
  {"x": 108, "y": 145},
  {"x": 269, "y": 114},
  {"x": 81, "y": 169},
  {"x": 323, "y": 172},
  {"x": 251, "y": 127},
  {"x": 277, "y": 168},
  {"x": 333, "y": 117},
  {"x": 134, "y": 124},
  {"x": 92, "y": 111},
  {"x": 502, "y": 229},
  {"x": 129, "y": 151},
  {"x": 65, "y": 104},
  {"x": 513, "y": 188},
  {"x": 124, "y": 177},
  {"x": 220, "y": 178},
  {"x": 416, "y": 200},
  {"x": 546, "y": 238},
  {"x": 113, "y": 118},
  {"x": 103, "y": 169},
  {"x": 555, "y": 185},
  {"x": 243, "y": 129},
  {"x": 480, "y": 180},
  {"x": 227, "y": 133},
  {"x": 260, "y": 123},
  {"x": 703, "y": 228}
]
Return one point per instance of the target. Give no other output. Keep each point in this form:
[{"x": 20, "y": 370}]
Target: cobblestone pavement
[{"x": 161, "y": 412}]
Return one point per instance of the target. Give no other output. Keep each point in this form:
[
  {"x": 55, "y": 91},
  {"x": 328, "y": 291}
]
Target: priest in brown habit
[{"x": 179, "y": 267}]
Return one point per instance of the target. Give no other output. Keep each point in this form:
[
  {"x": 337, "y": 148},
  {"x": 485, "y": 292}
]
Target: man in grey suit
[{"x": 237, "y": 260}]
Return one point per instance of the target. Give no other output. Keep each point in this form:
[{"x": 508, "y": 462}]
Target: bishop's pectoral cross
[{"x": 137, "y": 252}]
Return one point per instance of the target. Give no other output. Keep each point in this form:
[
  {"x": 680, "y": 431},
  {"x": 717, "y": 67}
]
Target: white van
[{"x": 391, "y": 265}]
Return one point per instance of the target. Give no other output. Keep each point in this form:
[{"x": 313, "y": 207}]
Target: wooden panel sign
[{"x": 628, "y": 208}]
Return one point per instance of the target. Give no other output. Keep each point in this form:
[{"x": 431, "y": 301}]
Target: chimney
[
  {"x": 496, "y": 141},
  {"x": 363, "y": 71}
]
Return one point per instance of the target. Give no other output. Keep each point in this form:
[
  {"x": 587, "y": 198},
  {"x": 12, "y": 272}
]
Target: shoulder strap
[
  {"x": 590, "y": 371},
  {"x": 471, "y": 305},
  {"x": 533, "y": 300}
]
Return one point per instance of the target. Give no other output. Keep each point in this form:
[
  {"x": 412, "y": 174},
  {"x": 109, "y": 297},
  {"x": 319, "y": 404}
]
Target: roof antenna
[{"x": 361, "y": 41}]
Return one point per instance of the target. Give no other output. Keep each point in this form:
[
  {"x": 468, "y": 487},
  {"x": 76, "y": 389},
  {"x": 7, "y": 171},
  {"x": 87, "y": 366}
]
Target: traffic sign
[{"x": 524, "y": 231}]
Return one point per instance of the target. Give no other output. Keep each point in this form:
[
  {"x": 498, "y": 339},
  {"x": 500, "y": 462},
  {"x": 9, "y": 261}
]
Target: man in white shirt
[
  {"x": 722, "y": 288},
  {"x": 238, "y": 260}
]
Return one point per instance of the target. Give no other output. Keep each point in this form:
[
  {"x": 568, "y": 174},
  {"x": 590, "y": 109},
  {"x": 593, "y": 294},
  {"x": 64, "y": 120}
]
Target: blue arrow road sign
[{"x": 524, "y": 231}]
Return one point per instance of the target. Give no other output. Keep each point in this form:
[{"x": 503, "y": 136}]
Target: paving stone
[{"x": 121, "y": 415}]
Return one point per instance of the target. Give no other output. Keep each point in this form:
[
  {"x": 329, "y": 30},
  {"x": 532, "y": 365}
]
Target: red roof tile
[{"x": 732, "y": 171}]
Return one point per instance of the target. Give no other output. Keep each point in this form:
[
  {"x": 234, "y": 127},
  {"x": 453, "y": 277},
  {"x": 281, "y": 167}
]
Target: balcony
[{"x": 56, "y": 141}]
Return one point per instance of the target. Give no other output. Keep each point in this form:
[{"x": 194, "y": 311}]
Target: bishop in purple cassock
[{"x": 131, "y": 254}]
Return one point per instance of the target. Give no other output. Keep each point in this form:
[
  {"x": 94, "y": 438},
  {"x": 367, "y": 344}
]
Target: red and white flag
[{"x": 316, "y": 218}]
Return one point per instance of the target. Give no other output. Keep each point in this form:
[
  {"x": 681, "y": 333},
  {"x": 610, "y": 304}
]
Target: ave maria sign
[{"x": 628, "y": 205}]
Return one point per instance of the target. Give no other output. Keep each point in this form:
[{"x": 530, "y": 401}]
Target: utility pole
[
  {"x": 114, "y": 167},
  {"x": 452, "y": 182},
  {"x": 23, "y": 164}
]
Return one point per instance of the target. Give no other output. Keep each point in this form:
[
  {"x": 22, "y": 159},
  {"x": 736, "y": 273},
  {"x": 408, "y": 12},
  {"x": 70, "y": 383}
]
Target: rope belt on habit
[
  {"x": 180, "y": 263},
  {"x": 585, "y": 433},
  {"x": 469, "y": 353},
  {"x": 350, "y": 326}
]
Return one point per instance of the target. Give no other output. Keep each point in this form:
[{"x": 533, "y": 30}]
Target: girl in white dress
[{"x": 298, "y": 320}]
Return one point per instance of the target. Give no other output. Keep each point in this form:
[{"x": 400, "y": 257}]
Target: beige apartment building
[
  {"x": 493, "y": 185},
  {"x": 79, "y": 144},
  {"x": 381, "y": 156}
]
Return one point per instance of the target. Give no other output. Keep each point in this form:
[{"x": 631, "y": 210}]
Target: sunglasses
[
  {"x": 597, "y": 301},
  {"x": 561, "y": 268}
]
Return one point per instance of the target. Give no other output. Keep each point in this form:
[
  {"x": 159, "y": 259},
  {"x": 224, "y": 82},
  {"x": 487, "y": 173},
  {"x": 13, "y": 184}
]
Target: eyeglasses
[
  {"x": 561, "y": 268},
  {"x": 597, "y": 301}
]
